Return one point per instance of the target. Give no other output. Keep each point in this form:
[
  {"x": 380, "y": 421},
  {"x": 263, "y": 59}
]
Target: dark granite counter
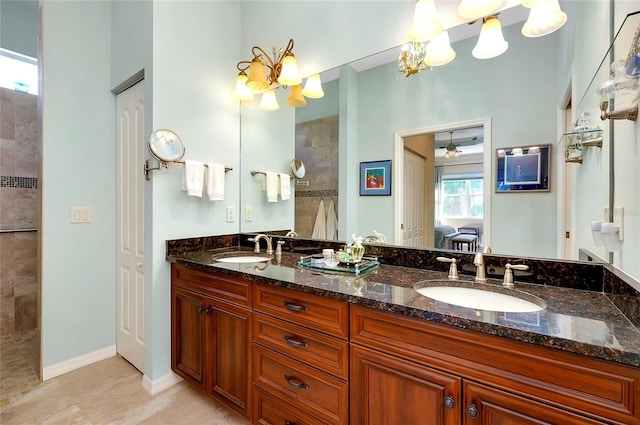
[{"x": 577, "y": 321}]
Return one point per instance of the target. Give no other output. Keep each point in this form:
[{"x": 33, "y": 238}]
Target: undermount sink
[
  {"x": 480, "y": 296},
  {"x": 241, "y": 257}
]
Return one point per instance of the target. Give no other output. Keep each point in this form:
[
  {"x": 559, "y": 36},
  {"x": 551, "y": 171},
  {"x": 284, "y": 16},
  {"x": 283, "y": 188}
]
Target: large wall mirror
[{"x": 448, "y": 123}]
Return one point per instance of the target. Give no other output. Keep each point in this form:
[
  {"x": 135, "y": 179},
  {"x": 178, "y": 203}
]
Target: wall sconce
[
  {"x": 264, "y": 74},
  {"x": 544, "y": 18},
  {"x": 491, "y": 42}
]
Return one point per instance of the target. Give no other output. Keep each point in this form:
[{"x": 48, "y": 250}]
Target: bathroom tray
[{"x": 367, "y": 264}]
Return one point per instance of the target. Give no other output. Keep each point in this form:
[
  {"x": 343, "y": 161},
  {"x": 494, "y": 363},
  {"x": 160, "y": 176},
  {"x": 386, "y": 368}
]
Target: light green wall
[
  {"x": 19, "y": 24},
  {"x": 78, "y": 169}
]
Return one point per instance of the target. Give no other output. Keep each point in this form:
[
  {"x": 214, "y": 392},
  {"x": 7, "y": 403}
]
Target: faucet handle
[
  {"x": 279, "y": 247},
  {"x": 453, "y": 268},
  {"x": 508, "y": 274}
]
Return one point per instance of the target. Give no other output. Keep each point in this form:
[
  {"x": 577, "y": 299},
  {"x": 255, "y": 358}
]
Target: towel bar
[{"x": 162, "y": 165}]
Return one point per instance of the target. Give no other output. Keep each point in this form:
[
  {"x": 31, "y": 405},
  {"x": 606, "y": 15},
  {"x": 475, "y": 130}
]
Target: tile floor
[
  {"x": 18, "y": 365},
  {"x": 106, "y": 392}
]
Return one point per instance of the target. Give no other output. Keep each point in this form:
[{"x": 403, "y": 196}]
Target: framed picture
[
  {"x": 524, "y": 168},
  {"x": 375, "y": 178}
]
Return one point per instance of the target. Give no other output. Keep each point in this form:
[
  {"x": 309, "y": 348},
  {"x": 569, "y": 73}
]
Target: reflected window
[
  {"x": 19, "y": 72},
  {"x": 462, "y": 198}
]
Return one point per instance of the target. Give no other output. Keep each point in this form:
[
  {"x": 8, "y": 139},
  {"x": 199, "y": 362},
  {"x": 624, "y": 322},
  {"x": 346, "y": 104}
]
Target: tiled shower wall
[
  {"x": 19, "y": 166},
  {"x": 317, "y": 147}
]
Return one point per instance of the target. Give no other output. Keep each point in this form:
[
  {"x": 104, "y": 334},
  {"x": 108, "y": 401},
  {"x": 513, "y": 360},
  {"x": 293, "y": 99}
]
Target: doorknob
[{"x": 139, "y": 264}]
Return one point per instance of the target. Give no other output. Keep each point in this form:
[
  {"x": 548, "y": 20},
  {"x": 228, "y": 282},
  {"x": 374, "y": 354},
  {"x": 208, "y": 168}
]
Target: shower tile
[
  {"x": 7, "y": 114},
  {"x": 7, "y": 213},
  {"x": 7, "y": 314},
  {"x": 7, "y": 157},
  {"x": 26, "y": 312},
  {"x": 25, "y": 286},
  {"x": 26, "y": 267}
]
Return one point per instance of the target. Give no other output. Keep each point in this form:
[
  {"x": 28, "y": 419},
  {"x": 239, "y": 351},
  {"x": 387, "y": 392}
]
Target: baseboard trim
[
  {"x": 161, "y": 384},
  {"x": 77, "y": 362}
]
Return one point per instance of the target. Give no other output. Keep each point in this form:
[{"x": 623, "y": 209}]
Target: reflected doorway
[{"x": 455, "y": 156}]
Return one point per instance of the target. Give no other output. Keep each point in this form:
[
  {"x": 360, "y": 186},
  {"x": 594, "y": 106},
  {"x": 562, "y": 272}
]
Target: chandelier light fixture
[
  {"x": 476, "y": 9},
  {"x": 426, "y": 25},
  {"x": 491, "y": 42},
  {"x": 545, "y": 17},
  {"x": 264, "y": 74}
]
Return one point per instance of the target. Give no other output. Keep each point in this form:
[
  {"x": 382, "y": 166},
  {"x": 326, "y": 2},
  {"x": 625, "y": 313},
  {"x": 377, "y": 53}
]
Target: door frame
[{"x": 487, "y": 170}]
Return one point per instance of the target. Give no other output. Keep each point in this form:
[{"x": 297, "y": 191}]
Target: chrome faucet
[
  {"x": 508, "y": 274},
  {"x": 291, "y": 233},
  {"x": 478, "y": 261},
  {"x": 257, "y": 241},
  {"x": 453, "y": 268}
]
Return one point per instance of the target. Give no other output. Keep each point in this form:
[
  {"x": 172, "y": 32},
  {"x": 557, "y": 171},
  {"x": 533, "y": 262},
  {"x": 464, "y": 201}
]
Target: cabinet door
[
  {"x": 228, "y": 339},
  {"x": 489, "y": 406},
  {"x": 187, "y": 335},
  {"x": 389, "y": 390}
]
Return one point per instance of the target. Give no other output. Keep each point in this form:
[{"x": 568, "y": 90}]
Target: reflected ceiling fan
[{"x": 452, "y": 150}]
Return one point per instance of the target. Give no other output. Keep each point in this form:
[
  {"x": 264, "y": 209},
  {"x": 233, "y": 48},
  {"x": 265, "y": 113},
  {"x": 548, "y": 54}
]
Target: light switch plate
[
  {"x": 80, "y": 215},
  {"x": 231, "y": 215},
  {"x": 248, "y": 214},
  {"x": 618, "y": 220}
]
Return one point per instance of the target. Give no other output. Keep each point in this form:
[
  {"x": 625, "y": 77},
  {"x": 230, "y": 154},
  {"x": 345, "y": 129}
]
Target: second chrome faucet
[{"x": 257, "y": 239}]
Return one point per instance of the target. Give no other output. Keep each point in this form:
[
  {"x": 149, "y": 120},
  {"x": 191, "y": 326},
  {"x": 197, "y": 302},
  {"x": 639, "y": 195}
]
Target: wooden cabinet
[
  {"x": 388, "y": 390},
  {"x": 300, "y": 358},
  {"x": 503, "y": 381},
  {"x": 211, "y": 335}
]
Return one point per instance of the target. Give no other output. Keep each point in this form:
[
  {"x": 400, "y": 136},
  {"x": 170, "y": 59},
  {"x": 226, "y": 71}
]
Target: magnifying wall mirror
[
  {"x": 297, "y": 168},
  {"x": 166, "y": 146}
]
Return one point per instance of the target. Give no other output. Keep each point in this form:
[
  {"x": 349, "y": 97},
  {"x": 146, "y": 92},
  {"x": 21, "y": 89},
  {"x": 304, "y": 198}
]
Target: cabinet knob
[
  {"x": 205, "y": 310},
  {"x": 449, "y": 402},
  {"x": 295, "y": 307},
  {"x": 294, "y": 342},
  {"x": 286, "y": 422},
  {"x": 473, "y": 411},
  {"x": 295, "y": 384}
]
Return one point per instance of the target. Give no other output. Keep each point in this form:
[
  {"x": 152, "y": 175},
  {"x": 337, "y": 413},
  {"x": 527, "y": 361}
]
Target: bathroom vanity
[{"x": 281, "y": 344}]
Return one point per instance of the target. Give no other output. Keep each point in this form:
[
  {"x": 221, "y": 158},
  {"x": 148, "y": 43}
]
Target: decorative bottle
[{"x": 357, "y": 250}]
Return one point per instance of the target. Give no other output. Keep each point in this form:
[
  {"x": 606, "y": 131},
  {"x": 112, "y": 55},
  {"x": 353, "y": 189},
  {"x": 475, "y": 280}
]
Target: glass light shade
[
  {"x": 289, "y": 75},
  {"x": 296, "y": 99},
  {"x": 439, "y": 51},
  {"x": 268, "y": 101},
  {"x": 426, "y": 24},
  {"x": 257, "y": 78},
  {"x": 544, "y": 18},
  {"x": 313, "y": 87},
  {"x": 474, "y": 9},
  {"x": 490, "y": 42},
  {"x": 242, "y": 92}
]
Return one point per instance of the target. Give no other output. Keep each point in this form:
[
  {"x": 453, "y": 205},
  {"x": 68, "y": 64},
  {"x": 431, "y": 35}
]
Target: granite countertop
[{"x": 577, "y": 321}]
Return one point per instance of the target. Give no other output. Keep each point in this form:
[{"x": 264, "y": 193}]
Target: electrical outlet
[
  {"x": 231, "y": 215},
  {"x": 80, "y": 215},
  {"x": 248, "y": 214}
]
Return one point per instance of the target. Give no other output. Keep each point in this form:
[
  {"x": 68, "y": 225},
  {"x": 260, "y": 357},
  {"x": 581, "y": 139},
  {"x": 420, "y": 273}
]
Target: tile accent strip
[
  {"x": 19, "y": 182},
  {"x": 316, "y": 193}
]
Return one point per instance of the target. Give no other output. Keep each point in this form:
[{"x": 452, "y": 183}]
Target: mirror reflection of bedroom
[{"x": 450, "y": 162}]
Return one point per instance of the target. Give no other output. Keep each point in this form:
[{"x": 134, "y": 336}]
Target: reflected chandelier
[{"x": 264, "y": 74}]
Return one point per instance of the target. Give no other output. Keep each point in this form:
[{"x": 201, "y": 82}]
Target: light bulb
[{"x": 268, "y": 101}]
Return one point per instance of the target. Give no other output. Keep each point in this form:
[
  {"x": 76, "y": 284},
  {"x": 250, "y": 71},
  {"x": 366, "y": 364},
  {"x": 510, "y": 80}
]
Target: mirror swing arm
[{"x": 167, "y": 148}]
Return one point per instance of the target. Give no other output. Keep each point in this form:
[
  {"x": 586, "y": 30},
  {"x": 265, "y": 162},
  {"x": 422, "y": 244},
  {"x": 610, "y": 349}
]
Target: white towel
[
  {"x": 215, "y": 182},
  {"x": 332, "y": 223},
  {"x": 320, "y": 227},
  {"x": 285, "y": 187},
  {"x": 271, "y": 180},
  {"x": 193, "y": 178}
]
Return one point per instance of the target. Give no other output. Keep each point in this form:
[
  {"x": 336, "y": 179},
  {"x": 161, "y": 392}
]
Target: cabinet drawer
[
  {"x": 270, "y": 410},
  {"x": 308, "y": 389},
  {"x": 327, "y": 353},
  {"x": 224, "y": 287},
  {"x": 597, "y": 388},
  {"x": 319, "y": 313}
]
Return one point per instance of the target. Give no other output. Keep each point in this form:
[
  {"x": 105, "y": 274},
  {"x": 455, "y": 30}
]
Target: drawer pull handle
[
  {"x": 295, "y": 343},
  {"x": 295, "y": 307},
  {"x": 205, "y": 310},
  {"x": 473, "y": 411},
  {"x": 449, "y": 402},
  {"x": 295, "y": 384}
]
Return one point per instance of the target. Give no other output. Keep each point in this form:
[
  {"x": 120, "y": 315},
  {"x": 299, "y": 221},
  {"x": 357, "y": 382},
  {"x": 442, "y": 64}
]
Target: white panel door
[
  {"x": 413, "y": 232},
  {"x": 130, "y": 225}
]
